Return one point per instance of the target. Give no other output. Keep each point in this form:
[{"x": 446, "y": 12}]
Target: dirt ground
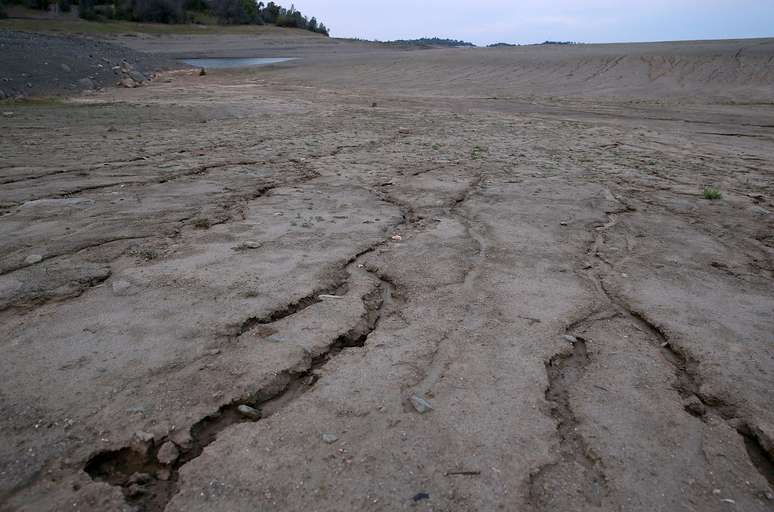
[{"x": 450, "y": 280}]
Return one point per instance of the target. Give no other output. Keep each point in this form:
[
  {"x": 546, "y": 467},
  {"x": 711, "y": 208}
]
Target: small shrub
[
  {"x": 202, "y": 223},
  {"x": 86, "y": 10},
  {"x": 477, "y": 152},
  {"x": 712, "y": 193}
]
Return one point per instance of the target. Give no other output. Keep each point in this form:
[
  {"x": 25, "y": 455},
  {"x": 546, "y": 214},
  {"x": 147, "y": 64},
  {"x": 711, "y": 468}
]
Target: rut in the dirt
[
  {"x": 686, "y": 368},
  {"x": 149, "y": 485},
  {"x": 575, "y": 461}
]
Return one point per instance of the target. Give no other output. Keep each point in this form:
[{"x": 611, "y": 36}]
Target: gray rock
[
  {"x": 420, "y": 404},
  {"x": 168, "y": 453},
  {"x": 249, "y": 412},
  {"x": 330, "y": 438},
  {"x": 86, "y": 83},
  {"x": 137, "y": 76},
  {"x": 33, "y": 258},
  {"x": 695, "y": 406},
  {"x": 570, "y": 338},
  {"x": 128, "y": 83}
]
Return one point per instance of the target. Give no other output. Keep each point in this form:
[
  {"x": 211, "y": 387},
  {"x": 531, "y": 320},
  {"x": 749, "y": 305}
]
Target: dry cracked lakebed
[{"x": 390, "y": 282}]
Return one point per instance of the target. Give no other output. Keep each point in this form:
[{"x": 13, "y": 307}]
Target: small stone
[
  {"x": 128, "y": 83},
  {"x": 7, "y": 114},
  {"x": 397, "y": 238},
  {"x": 563, "y": 223},
  {"x": 202, "y": 72},
  {"x": 249, "y": 412},
  {"x": 86, "y": 83},
  {"x": 695, "y": 406},
  {"x": 404, "y": 131},
  {"x": 760, "y": 210},
  {"x": 65, "y": 67},
  {"x": 570, "y": 338},
  {"x": 330, "y": 438},
  {"x": 728, "y": 500},
  {"x": 33, "y": 258},
  {"x": 168, "y": 453},
  {"x": 769, "y": 495},
  {"x": 716, "y": 491},
  {"x": 164, "y": 474},
  {"x": 420, "y": 404},
  {"x": 143, "y": 437},
  {"x": 326, "y": 296}
]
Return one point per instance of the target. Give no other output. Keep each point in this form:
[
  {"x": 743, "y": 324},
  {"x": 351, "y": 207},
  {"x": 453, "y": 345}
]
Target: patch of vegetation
[
  {"x": 477, "y": 152},
  {"x": 201, "y": 223},
  {"x": 225, "y": 12},
  {"x": 501, "y": 45},
  {"x": 712, "y": 193},
  {"x": 559, "y": 42},
  {"x": 432, "y": 42}
]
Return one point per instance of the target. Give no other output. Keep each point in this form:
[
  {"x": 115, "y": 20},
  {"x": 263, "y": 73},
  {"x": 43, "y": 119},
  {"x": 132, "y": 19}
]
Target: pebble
[
  {"x": 397, "y": 238},
  {"x": 249, "y": 412},
  {"x": 570, "y": 338},
  {"x": 33, "y": 258},
  {"x": 695, "y": 406},
  {"x": 420, "y": 404},
  {"x": 330, "y": 438},
  {"x": 325, "y": 296},
  {"x": 168, "y": 453}
]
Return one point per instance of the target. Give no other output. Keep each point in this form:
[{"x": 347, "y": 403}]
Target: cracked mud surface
[{"x": 543, "y": 270}]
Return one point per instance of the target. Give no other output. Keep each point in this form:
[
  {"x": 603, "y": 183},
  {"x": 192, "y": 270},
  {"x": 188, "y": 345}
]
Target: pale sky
[{"x": 533, "y": 21}]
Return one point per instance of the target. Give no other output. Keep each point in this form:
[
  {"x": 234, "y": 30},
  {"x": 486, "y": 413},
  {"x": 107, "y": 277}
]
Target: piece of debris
[
  {"x": 33, "y": 258},
  {"x": 397, "y": 238},
  {"x": 202, "y": 72},
  {"x": 421, "y": 496},
  {"x": 463, "y": 473},
  {"x": 330, "y": 438},
  {"x": 247, "y": 246},
  {"x": 728, "y": 500},
  {"x": 570, "y": 338},
  {"x": 249, "y": 412},
  {"x": 326, "y": 296},
  {"x": 404, "y": 131},
  {"x": 373, "y": 105},
  {"x": 168, "y": 453},
  {"x": 563, "y": 223},
  {"x": 420, "y": 404}
]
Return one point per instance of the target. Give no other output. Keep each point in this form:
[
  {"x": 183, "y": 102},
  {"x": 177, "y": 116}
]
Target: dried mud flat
[{"x": 436, "y": 280}]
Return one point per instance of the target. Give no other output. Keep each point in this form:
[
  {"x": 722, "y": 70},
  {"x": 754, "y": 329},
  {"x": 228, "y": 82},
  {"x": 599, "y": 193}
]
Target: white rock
[
  {"x": 33, "y": 258},
  {"x": 168, "y": 453},
  {"x": 420, "y": 404},
  {"x": 330, "y": 438}
]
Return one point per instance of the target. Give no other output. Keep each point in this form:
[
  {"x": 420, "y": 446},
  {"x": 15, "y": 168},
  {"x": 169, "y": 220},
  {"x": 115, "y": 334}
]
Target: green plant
[
  {"x": 201, "y": 223},
  {"x": 477, "y": 152},
  {"x": 712, "y": 193}
]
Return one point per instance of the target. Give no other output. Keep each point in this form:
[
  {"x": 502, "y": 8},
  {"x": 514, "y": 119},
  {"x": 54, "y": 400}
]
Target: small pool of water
[{"x": 234, "y": 62}]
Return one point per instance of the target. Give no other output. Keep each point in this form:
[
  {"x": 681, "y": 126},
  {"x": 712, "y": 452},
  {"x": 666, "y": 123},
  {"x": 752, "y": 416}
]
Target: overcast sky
[{"x": 533, "y": 21}]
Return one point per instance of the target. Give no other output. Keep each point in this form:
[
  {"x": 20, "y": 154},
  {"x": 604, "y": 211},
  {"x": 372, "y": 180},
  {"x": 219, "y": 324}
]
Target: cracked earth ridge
[{"x": 150, "y": 485}]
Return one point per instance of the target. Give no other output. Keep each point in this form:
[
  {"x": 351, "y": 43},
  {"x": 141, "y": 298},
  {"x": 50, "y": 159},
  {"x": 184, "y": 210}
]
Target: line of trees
[{"x": 229, "y": 12}]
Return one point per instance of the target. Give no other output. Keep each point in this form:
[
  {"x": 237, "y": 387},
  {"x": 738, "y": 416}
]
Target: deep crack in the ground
[
  {"x": 575, "y": 460},
  {"x": 149, "y": 485}
]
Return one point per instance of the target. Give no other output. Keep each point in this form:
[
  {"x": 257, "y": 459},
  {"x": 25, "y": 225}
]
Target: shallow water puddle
[{"x": 235, "y": 62}]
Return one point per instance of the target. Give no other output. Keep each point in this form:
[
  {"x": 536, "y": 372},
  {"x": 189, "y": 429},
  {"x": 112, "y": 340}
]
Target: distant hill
[{"x": 432, "y": 42}]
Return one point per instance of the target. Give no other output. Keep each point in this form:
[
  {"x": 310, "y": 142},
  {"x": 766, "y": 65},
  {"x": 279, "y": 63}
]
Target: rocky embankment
[{"x": 34, "y": 64}]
